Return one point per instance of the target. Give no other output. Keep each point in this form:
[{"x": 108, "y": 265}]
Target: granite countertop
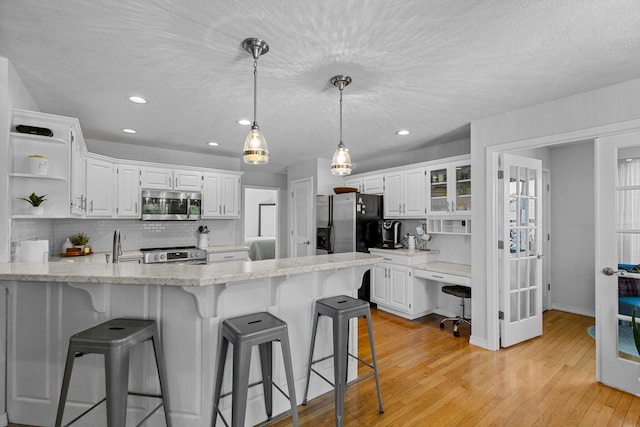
[
  {"x": 446, "y": 268},
  {"x": 179, "y": 275},
  {"x": 404, "y": 251}
]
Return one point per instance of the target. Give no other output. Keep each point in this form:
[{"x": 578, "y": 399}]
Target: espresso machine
[{"x": 390, "y": 234}]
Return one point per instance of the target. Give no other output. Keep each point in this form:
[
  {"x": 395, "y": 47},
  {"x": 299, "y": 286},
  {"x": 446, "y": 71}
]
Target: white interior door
[
  {"x": 546, "y": 240},
  {"x": 301, "y": 217},
  {"x": 520, "y": 254},
  {"x": 617, "y": 242}
]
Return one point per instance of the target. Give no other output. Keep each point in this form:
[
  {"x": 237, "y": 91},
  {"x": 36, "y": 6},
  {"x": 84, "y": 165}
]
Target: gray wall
[{"x": 572, "y": 228}]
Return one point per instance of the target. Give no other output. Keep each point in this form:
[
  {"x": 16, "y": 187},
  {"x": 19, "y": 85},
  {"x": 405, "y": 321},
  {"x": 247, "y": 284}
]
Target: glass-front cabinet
[{"x": 449, "y": 189}]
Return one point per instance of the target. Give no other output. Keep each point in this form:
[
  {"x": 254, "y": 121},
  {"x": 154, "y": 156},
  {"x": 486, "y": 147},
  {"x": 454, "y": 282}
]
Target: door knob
[
  {"x": 306, "y": 243},
  {"x": 608, "y": 271}
]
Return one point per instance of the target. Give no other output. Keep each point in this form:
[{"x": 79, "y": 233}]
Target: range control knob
[
  {"x": 163, "y": 256},
  {"x": 156, "y": 257}
]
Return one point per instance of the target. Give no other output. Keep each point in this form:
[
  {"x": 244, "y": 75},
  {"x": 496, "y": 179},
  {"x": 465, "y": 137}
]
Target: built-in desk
[{"x": 443, "y": 273}]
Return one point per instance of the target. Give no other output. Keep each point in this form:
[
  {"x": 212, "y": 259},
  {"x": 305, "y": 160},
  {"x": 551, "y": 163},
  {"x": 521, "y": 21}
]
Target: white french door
[
  {"x": 520, "y": 253},
  {"x": 617, "y": 200}
]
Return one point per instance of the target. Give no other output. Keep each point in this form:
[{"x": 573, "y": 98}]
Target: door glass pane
[
  {"x": 522, "y": 274},
  {"x": 513, "y": 180},
  {"x": 513, "y": 316},
  {"x": 628, "y": 248},
  {"x": 513, "y": 279},
  {"x": 532, "y": 302},
  {"x": 524, "y": 305}
]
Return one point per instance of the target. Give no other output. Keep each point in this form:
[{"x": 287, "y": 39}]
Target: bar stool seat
[
  {"x": 341, "y": 309},
  {"x": 114, "y": 339},
  {"x": 244, "y": 332},
  {"x": 461, "y": 292}
]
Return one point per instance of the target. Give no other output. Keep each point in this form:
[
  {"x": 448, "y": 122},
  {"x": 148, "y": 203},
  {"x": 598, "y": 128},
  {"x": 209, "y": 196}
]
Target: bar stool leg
[
  {"x": 288, "y": 369},
  {"x": 68, "y": 367},
  {"x": 375, "y": 362},
  {"x": 117, "y": 377},
  {"x": 266, "y": 366},
  {"x": 340, "y": 356},
  {"x": 241, "y": 365},
  {"x": 162, "y": 375},
  {"x": 223, "y": 344},
  {"x": 314, "y": 329}
]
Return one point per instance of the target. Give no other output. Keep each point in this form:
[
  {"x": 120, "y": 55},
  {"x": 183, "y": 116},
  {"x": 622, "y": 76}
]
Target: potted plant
[
  {"x": 79, "y": 240},
  {"x": 35, "y": 201}
]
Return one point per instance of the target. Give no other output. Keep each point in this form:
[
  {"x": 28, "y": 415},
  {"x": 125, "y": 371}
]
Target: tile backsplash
[{"x": 134, "y": 234}]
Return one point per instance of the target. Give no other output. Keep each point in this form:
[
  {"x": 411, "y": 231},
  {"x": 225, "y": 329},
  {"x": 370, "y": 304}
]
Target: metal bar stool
[
  {"x": 341, "y": 309},
  {"x": 114, "y": 339},
  {"x": 461, "y": 292},
  {"x": 244, "y": 332}
]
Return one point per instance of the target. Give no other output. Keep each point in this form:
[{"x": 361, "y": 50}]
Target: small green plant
[
  {"x": 34, "y": 200},
  {"x": 636, "y": 333},
  {"x": 79, "y": 239}
]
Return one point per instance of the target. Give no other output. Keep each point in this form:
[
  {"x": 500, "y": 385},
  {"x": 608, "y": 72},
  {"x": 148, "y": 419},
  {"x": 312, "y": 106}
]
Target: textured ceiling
[{"x": 427, "y": 66}]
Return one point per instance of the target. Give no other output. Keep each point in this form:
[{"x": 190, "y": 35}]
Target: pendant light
[
  {"x": 341, "y": 163},
  {"x": 255, "y": 146}
]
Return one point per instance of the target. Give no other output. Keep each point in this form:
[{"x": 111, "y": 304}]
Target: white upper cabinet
[
  {"x": 128, "y": 191},
  {"x": 449, "y": 189},
  {"x": 373, "y": 184},
  {"x": 354, "y": 183},
  {"x": 404, "y": 194},
  {"x": 170, "y": 179},
  {"x": 100, "y": 184},
  {"x": 221, "y": 195},
  {"x": 78, "y": 173}
]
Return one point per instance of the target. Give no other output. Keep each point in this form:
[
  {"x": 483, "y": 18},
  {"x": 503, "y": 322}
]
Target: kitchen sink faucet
[{"x": 117, "y": 247}]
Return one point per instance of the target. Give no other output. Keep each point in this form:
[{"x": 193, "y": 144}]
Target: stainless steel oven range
[{"x": 175, "y": 255}]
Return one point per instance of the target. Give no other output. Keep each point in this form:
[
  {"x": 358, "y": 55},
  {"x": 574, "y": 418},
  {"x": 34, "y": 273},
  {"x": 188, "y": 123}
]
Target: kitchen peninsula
[{"x": 48, "y": 302}]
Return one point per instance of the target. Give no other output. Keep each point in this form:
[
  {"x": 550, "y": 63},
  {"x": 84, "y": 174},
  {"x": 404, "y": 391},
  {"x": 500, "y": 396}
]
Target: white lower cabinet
[
  {"x": 394, "y": 289},
  {"x": 228, "y": 256}
]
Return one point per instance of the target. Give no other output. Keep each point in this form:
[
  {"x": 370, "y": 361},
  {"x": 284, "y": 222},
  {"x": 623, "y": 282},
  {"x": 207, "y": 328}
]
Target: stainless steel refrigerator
[{"x": 347, "y": 222}]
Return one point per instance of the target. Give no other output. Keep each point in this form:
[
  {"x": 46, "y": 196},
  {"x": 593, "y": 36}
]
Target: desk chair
[{"x": 461, "y": 292}]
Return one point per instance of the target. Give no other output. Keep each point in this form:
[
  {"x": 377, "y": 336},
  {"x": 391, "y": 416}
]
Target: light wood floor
[{"x": 431, "y": 378}]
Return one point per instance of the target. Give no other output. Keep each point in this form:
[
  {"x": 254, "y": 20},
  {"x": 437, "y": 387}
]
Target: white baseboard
[
  {"x": 575, "y": 310},
  {"x": 4, "y": 420}
]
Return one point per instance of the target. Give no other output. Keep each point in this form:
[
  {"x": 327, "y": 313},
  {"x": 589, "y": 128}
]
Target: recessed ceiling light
[
  {"x": 403, "y": 132},
  {"x": 244, "y": 122},
  {"x": 213, "y": 144},
  {"x": 129, "y": 131},
  {"x": 137, "y": 100}
]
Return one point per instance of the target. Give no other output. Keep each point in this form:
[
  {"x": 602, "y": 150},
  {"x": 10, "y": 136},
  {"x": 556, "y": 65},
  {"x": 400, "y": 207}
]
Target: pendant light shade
[
  {"x": 255, "y": 150},
  {"x": 341, "y": 163}
]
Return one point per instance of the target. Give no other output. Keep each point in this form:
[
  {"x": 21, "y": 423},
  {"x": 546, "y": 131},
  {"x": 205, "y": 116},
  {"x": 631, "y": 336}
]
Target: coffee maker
[{"x": 390, "y": 234}]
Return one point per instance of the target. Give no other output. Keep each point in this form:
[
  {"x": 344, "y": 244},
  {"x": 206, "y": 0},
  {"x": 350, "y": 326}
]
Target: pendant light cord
[
  {"x": 255, "y": 91},
  {"x": 341, "y": 87}
]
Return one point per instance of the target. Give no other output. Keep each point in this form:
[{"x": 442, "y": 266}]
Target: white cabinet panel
[
  {"x": 228, "y": 256},
  {"x": 100, "y": 188},
  {"x": 188, "y": 181},
  {"x": 157, "y": 179},
  {"x": 221, "y": 195},
  {"x": 171, "y": 179},
  {"x": 354, "y": 183},
  {"x": 404, "y": 194},
  {"x": 128, "y": 191},
  {"x": 373, "y": 184}
]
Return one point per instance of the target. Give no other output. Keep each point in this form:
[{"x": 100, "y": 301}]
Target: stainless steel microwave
[{"x": 165, "y": 205}]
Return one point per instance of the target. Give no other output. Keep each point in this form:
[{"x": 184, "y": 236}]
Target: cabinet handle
[
  {"x": 220, "y": 209},
  {"x": 224, "y": 208},
  {"x": 228, "y": 256},
  {"x": 176, "y": 183},
  {"x": 135, "y": 207},
  {"x": 91, "y": 206},
  {"x": 399, "y": 207},
  {"x": 437, "y": 277}
]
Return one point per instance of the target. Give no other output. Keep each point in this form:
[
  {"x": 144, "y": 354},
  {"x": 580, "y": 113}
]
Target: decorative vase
[
  {"x": 37, "y": 210},
  {"x": 66, "y": 245}
]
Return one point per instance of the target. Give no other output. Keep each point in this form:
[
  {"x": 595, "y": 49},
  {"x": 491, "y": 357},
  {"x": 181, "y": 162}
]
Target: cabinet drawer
[
  {"x": 228, "y": 256},
  {"x": 442, "y": 277}
]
